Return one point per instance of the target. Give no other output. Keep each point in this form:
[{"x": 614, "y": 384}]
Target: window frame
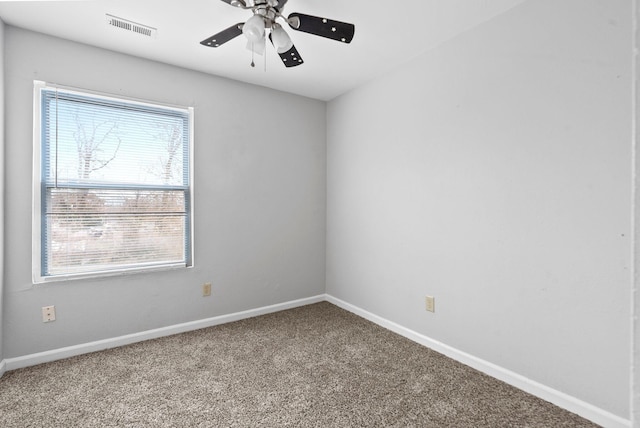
[{"x": 39, "y": 187}]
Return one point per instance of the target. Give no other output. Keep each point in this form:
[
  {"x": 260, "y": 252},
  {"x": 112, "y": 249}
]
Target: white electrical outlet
[
  {"x": 48, "y": 313},
  {"x": 430, "y": 303}
]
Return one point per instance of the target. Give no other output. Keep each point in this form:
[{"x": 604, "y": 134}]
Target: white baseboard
[
  {"x": 99, "y": 345},
  {"x": 560, "y": 399}
]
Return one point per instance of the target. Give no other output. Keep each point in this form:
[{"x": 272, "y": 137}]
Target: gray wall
[
  {"x": 635, "y": 361},
  {"x": 259, "y": 200},
  {"x": 494, "y": 173},
  {"x": 2, "y": 163}
]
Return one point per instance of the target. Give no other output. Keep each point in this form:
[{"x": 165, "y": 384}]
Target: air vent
[{"x": 134, "y": 27}]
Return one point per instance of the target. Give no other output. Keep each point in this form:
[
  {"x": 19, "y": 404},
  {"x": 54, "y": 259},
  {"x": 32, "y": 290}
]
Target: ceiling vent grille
[{"x": 134, "y": 27}]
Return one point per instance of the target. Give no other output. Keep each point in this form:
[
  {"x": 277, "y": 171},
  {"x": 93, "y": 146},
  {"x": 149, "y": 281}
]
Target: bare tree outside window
[
  {"x": 172, "y": 135},
  {"x": 90, "y": 139}
]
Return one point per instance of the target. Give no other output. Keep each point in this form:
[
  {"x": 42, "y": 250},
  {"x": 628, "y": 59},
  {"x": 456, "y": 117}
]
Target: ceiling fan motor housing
[{"x": 268, "y": 13}]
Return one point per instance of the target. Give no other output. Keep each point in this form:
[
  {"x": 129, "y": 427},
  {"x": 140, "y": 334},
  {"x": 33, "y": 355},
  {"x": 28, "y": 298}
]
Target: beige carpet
[{"x": 315, "y": 366}]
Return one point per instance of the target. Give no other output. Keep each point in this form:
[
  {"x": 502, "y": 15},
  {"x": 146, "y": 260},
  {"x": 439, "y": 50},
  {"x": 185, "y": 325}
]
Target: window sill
[{"x": 38, "y": 280}]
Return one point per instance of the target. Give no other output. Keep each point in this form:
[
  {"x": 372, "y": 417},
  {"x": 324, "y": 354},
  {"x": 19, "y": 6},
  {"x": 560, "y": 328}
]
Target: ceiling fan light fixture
[
  {"x": 253, "y": 29},
  {"x": 281, "y": 39},
  {"x": 257, "y": 47}
]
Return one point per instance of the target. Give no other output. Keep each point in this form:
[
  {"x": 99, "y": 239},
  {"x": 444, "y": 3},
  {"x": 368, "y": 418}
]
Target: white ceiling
[{"x": 388, "y": 33}]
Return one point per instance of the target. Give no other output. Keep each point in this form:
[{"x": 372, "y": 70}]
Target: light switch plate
[
  {"x": 206, "y": 289},
  {"x": 430, "y": 303}
]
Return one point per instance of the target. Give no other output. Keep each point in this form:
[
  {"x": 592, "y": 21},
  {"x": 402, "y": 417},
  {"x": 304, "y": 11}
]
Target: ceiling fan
[{"x": 265, "y": 16}]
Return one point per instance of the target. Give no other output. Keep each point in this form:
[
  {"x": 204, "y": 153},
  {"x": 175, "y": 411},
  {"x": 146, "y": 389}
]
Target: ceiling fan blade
[
  {"x": 290, "y": 58},
  {"x": 335, "y": 30},
  {"x": 223, "y": 36}
]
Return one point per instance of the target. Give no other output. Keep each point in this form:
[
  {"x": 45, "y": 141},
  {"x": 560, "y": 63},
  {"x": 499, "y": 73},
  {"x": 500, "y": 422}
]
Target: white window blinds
[{"x": 115, "y": 191}]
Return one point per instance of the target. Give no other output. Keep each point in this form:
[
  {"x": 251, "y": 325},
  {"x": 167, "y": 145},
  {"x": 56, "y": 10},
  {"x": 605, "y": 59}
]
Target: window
[{"x": 112, "y": 185}]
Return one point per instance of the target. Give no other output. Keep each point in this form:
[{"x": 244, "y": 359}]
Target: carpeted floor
[{"x": 315, "y": 366}]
